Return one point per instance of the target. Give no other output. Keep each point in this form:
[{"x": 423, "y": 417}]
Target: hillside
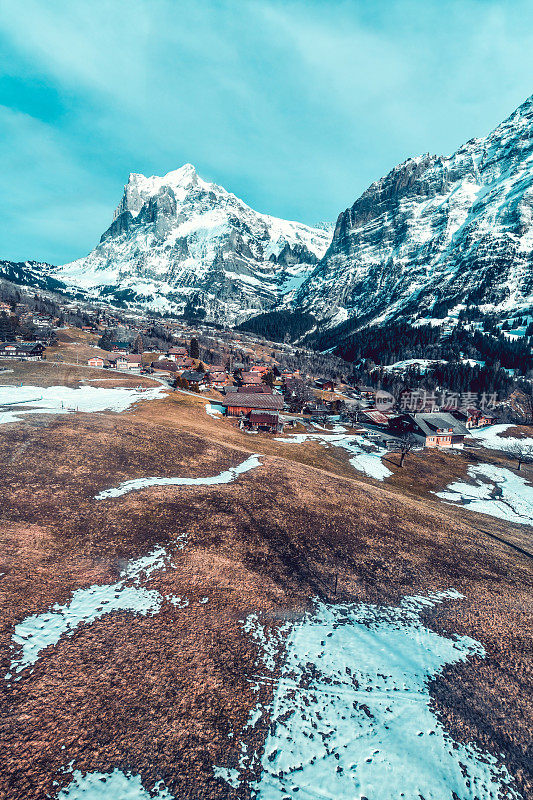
[{"x": 183, "y": 605}]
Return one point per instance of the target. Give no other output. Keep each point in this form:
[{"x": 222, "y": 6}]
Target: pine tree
[
  {"x": 194, "y": 348},
  {"x": 138, "y": 345}
]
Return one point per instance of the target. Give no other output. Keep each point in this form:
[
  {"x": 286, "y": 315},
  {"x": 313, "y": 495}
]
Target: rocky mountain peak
[
  {"x": 177, "y": 239},
  {"x": 435, "y": 232}
]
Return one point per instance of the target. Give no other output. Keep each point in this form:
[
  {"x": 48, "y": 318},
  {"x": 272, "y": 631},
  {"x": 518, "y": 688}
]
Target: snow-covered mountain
[
  {"x": 434, "y": 233},
  {"x": 178, "y": 242},
  {"x": 37, "y": 274}
]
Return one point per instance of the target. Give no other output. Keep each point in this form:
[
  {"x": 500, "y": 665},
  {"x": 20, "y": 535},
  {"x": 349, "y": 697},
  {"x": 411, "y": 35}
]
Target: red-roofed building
[
  {"x": 238, "y": 403},
  {"x": 249, "y": 378}
]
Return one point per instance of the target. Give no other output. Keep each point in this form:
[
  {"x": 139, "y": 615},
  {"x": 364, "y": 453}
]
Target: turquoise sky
[{"x": 294, "y": 106}]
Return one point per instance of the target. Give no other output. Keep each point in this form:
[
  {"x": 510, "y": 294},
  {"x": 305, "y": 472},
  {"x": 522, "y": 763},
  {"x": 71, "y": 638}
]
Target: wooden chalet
[
  {"x": 27, "y": 351},
  {"x": 250, "y": 378},
  {"x": 264, "y": 421},
  {"x": 437, "y": 430},
  {"x": 177, "y": 353},
  {"x": 473, "y": 417},
  {"x": 134, "y": 361},
  {"x": 118, "y": 362},
  {"x": 165, "y": 364},
  {"x": 194, "y": 379},
  {"x": 239, "y": 403},
  {"x": 325, "y": 385},
  {"x": 217, "y": 378}
]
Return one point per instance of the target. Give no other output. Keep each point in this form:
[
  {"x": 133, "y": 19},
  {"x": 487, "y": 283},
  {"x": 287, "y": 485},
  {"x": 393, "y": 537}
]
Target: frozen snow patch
[
  {"x": 39, "y": 631},
  {"x": 352, "y": 717},
  {"x": 367, "y": 461},
  {"x": 497, "y": 491},
  {"x": 21, "y": 400},
  {"x": 226, "y": 476},
  {"x": 490, "y": 437},
  {"x": 214, "y": 410},
  {"x": 114, "y": 785}
]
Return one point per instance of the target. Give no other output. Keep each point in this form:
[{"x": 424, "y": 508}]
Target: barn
[{"x": 238, "y": 403}]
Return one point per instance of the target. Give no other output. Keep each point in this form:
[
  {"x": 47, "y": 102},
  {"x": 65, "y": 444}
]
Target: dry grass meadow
[{"x": 159, "y": 696}]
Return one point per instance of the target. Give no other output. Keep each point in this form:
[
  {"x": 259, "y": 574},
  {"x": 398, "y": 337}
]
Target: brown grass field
[{"x": 159, "y": 696}]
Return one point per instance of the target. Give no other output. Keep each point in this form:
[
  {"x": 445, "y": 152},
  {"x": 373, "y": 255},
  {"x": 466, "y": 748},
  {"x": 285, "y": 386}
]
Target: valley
[{"x": 266, "y": 487}]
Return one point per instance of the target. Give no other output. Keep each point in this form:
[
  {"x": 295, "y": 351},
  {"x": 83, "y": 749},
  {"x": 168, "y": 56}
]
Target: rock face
[
  {"x": 434, "y": 233},
  {"x": 179, "y": 243}
]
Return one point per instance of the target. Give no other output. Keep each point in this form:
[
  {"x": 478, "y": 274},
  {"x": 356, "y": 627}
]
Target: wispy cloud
[{"x": 295, "y": 106}]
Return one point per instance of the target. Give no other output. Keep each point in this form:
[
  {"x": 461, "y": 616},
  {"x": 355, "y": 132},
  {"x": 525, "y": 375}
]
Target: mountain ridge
[
  {"x": 435, "y": 230},
  {"x": 177, "y": 242},
  {"x": 434, "y": 234}
]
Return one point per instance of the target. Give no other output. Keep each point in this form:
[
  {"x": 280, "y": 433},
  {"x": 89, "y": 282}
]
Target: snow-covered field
[
  {"x": 490, "y": 437},
  {"x": 422, "y": 363},
  {"x": 364, "y": 460},
  {"x": 21, "y": 400},
  {"x": 351, "y": 715},
  {"x": 114, "y": 785},
  {"x": 226, "y": 476},
  {"x": 496, "y": 491}
]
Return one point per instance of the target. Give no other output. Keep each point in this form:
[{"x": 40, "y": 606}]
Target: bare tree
[
  {"x": 353, "y": 416},
  {"x": 521, "y": 452},
  {"x": 405, "y": 444},
  {"x": 302, "y": 394},
  {"x": 526, "y": 403}
]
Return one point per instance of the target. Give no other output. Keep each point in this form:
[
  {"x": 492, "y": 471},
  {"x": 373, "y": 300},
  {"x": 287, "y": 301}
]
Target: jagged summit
[
  {"x": 435, "y": 232},
  {"x": 178, "y": 242}
]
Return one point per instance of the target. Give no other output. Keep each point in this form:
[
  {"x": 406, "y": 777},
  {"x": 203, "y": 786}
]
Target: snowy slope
[
  {"x": 37, "y": 274},
  {"x": 438, "y": 232},
  {"x": 178, "y": 241}
]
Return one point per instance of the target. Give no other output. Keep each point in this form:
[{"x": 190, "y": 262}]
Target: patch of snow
[
  {"x": 422, "y": 363},
  {"x": 179, "y": 602},
  {"x": 366, "y": 461},
  {"x": 226, "y": 476},
  {"x": 497, "y": 491},
  {"x": 62, "y": 399},
  {"x": 491, "y": 439},
  {"x": 39, "y": 631},
  {"x": 114, "y": 785},
  {"x": 214, "y": 410},
  {"x": 231, "y": 776},
  {"x": 352, "y": 715}
]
